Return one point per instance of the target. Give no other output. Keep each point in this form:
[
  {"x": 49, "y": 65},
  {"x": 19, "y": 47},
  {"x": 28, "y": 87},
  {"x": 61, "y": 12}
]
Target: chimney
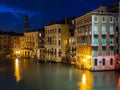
[{"x": 25, "y": 23}]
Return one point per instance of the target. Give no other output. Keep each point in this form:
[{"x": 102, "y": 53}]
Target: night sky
[{"x": 42, "y": 12}]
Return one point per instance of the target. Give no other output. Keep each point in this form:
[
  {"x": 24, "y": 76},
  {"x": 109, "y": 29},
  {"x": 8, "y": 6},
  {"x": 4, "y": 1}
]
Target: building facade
[
  {"x": 56, "y": 41},
  {"x": 30, "y": 48},
  {"x": 96, "y": 40}
]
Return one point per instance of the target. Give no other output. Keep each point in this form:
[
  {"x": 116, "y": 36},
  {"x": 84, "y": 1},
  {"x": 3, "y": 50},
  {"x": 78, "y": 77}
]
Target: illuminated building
[
  {"x": 31, "y": 46},
  {"x": 56, "y": 41},
  {"x": 72, "y": 44},
  {"x": 95, "y": 34},
  {"x": 15, "y": 44},
  {"x": 9, "y": 43},
  {"x": 4, "y": 43},
  {"x": 115, "y": 7},
  {"x": 32, "y": 41},
  {"x": 72, "y": 48}
]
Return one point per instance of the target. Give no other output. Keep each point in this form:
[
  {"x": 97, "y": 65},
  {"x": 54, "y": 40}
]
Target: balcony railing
[
  {"x": 94, "y": 44},
  {"x": 95, "y": 32},
  {"x": 111, "y": 52},
  {"x": 103, "y": 53},
  {"x": 111, "y": 33},
  {"x": 103, "y": 44},
  {"x": 111, "y": 44},
  {"x": 104, "y": 33},
  {"x": 95, "y": 53}
]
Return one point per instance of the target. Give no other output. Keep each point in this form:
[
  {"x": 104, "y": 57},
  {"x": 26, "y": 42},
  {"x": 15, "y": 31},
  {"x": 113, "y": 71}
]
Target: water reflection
[
  {"x": 118, "y": 84},
  {"x": 86, "y": 81},
  {"x": 17, "y": 70}
]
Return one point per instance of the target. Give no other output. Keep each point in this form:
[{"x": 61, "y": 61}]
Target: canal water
[{"x": 30, "y": 75}]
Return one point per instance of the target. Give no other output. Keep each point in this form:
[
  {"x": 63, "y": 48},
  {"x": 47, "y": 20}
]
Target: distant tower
[{"x": 25, "y": 23}]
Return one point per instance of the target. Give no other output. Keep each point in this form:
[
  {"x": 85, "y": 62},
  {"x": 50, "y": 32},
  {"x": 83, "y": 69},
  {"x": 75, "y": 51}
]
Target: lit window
[{"x": 40, "y": 34}]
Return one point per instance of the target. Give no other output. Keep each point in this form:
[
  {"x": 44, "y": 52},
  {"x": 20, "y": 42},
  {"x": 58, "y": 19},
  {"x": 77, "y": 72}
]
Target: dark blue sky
[{"x": 41, "y": 12}]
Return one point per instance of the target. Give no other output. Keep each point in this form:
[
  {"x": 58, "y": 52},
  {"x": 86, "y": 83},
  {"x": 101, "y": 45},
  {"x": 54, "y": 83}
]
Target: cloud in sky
[{"x": 16, "y": 11}]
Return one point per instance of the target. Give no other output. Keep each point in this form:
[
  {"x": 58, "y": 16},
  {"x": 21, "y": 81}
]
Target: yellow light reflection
[
  {"x": 83, "y": 79},
  {"x": 17, "y": 70},
  {"x": 85, "y": 82}
]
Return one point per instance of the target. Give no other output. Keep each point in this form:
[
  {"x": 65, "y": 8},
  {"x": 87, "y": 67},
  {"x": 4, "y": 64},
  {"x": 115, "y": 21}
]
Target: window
[
  {"x": 117, "y": 40},
  {"x": 59, "y": 52},
  {"x": 103, "y": 19},
  {"x": 95, "y": 28},
  {"x": 59, "y": 42},
  {"x": 117, "y": 29},
  {"x": 104, "y": 51},
  {"x": 111, "y": 19},
  {"x": 111, "y": 61},
  {"x": 96, "y": 39},
  {"x": 116, "y": 18},
  {"x": 95, "y": 51},
  {"x": 117, "y": 51},
  {"x": 95, "y": 19},
  {"x": 103, "y": 29},
  {"x": 111, "y": 28},
  {"x": 59, "y": 30},
  {"x": 103, "y": 61},
  {"x": 96, "y": 62},
  {"x": 103, "y": 40},
  {"x": 111, "y": 39},
  {"x": 111, "y": 50}
]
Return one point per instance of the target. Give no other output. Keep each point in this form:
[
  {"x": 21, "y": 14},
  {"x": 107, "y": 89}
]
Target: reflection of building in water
[
  {"x": 17, "y": 71},
  {"x": 103, "y": 80},
  {"x": 118, "y": 85},
  {"x": 86, "y": 81}
]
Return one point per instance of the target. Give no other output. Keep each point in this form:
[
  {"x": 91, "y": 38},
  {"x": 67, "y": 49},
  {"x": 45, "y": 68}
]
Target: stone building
[
  {"x": 56, "y": 41},
  {"x": 96, "y": 40}
]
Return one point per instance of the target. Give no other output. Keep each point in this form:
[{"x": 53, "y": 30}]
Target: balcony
[
  {"x": 95, "y": 32},
  {"x": 111, "y": 44},
  {"x": 104, "y": 44},
  {"x": 94, "y": 44},
  {"x": 111, "y": 33},
  {"x": 104, "y": 33},
  {"x": 103, "y": 53},
  {"x": 111, "y": 52},
  {"x": 94, "y": 53}
]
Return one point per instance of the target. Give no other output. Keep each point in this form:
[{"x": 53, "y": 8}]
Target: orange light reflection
[
  {"x": 85, "y": 82},
  {"x": 17, "y": 70}
]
